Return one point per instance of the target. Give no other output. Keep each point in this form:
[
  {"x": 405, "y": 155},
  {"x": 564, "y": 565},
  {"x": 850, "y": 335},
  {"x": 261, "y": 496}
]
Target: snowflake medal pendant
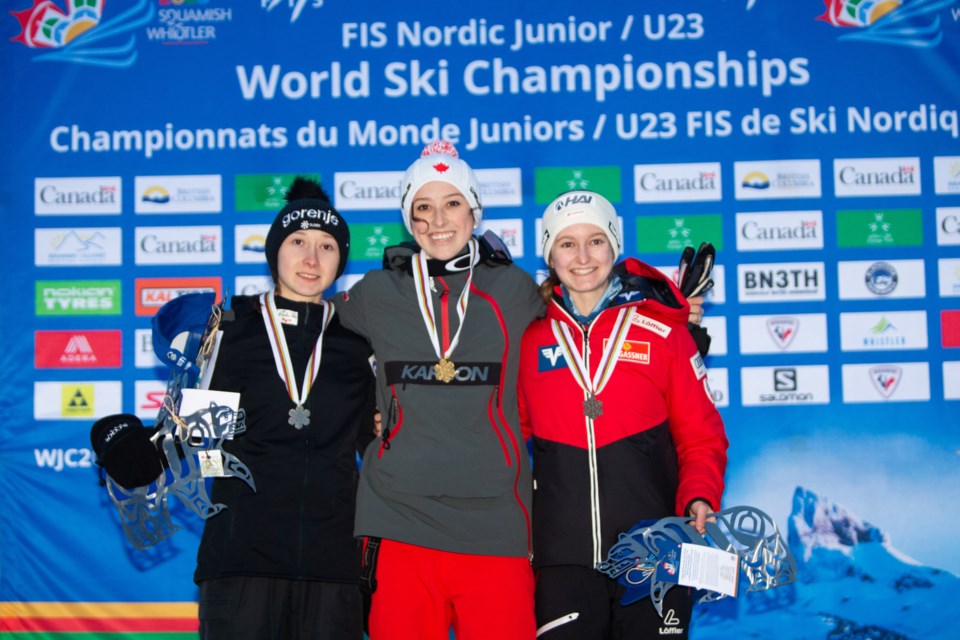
[
  {"x": 592, "y": 408},
  {"x": 299, "y": 417},
  {"x": 444, "y": 370}
]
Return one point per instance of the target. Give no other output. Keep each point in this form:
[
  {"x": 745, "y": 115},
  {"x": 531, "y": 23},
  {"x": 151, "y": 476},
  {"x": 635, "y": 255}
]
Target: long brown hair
[{"x": 546, "y": 287}]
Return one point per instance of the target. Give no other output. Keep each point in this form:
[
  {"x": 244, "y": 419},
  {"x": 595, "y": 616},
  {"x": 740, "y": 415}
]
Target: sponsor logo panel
[
  {"x": 692, "y": 182},
  {"x": 948, "y": 225},
  {"x": 78, "y": 298},
  {"x": 883, "y": 331},
  {"x": 771, "y": 386},
  {"x": 369, "y": 240},
  {"x": 179, "y": 245},
  {"x": 509, "y": 230},
  {"x": 876, "y": 177},
  {"x": 144, "y": 356},
  {"x": 777, "y": 179},
  {"x": 77, "y": 196},
  {"x": 716, "y": 326},
  {"x": 718, "y": 385},
  {"x": 76, "y": 400},
  {"x": 263, "y": 191},
  {"x": 951, "y": 380},
  {"x": 886, "y": 382},
  {"x": 370, "y": 190},
  {"x": 255, "y": 285},
  {"x": 949, "y": 275},
  {"x": 80, "y": 349},
  {"x": 880, "y": 228},
  {"x": 777, "y": 282},
  {"x": 78, "y": 247},
  {"x": 177, "y": 194},
  {"x": 669, "y": 234},
  {"x": 153, "y": 293},
  {"x": 795, "y": 333},
  {"x": 777, "y": 230},
  {"x": 550, "y": 182},
  {"x": 946, "y": 171},
  {"x": 950, "y": 328},
  {"x": 500, "y": 187},
  {"x": 249, "y": 243},
  {"x": 868, "y": 279},
  {"x": 148, "y": 397}
]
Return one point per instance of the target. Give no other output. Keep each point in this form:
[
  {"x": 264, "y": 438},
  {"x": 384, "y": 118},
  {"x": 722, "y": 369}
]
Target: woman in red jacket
[{"x": 614, "y": 394}]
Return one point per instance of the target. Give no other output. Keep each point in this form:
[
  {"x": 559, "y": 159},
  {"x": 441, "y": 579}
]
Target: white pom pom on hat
[
  {"x": 576, "y": 207},
  {"x": 440, "y": 162}
]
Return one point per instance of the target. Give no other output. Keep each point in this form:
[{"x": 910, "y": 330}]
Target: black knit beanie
[{"x": 308, "y": 207}]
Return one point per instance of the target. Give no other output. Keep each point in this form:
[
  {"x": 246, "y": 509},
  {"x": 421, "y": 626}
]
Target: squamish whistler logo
[{"x": 79, "y": 34}]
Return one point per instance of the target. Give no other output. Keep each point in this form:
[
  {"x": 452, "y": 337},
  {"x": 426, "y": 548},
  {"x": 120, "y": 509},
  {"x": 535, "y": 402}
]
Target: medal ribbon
[
  {"x": 608, "y": 359},
  {"x": 281, "y": 353},
  {"x": 421, "y": 281}
]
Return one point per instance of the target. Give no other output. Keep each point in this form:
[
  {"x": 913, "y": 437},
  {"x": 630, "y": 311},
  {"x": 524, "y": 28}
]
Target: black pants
[
  {"x": 246, "y": 608},
  {"x": 579, "y": 603}
]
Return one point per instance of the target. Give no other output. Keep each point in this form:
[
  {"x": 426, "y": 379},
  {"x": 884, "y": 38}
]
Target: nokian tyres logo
[{"x": 78, "y": 298}]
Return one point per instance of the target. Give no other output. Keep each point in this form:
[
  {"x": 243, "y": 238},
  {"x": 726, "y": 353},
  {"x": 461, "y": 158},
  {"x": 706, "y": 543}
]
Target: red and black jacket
[{"x": 659, "y": 443}]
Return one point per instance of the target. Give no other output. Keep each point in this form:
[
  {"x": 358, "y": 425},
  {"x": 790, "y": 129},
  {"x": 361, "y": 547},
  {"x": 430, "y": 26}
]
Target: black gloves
[{"x": 125, "y": 451}]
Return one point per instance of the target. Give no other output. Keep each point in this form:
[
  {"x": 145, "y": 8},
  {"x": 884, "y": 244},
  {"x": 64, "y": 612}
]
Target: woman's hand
[
  {"x": 699, "y": 510},
  {"x": 696, "y": 309}
]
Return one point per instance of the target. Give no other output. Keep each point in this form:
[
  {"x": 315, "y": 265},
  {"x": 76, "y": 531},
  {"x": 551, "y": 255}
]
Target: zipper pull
[{"x": 391, "y": 417}]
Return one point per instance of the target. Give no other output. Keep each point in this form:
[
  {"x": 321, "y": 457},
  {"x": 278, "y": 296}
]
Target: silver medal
[
  {"x": 299, "y": 417},
  {"x": 592, "y": 408}
]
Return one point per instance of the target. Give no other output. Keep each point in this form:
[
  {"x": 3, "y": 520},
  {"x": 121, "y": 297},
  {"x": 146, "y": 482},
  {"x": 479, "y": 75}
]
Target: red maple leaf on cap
[
  {"x": 440, "y": 167},
  {"x": 442, "y": 147}
]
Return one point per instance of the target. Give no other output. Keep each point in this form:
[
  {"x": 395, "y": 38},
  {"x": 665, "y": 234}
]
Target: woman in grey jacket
[{"x": 446, "y": 489}]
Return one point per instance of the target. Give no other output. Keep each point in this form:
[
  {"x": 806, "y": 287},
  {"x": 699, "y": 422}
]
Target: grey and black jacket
[{"x": 451, "y": 471}]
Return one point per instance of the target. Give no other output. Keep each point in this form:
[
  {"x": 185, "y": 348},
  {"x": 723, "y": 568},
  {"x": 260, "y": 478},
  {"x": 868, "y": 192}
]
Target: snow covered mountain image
[{"x": 852, "y": 584}]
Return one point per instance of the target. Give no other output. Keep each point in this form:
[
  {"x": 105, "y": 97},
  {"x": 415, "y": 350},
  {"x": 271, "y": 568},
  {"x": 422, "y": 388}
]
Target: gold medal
[{"x": 444, "y": 370}]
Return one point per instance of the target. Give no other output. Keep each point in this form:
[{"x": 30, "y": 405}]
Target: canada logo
[{"x": 79, "y": 34}]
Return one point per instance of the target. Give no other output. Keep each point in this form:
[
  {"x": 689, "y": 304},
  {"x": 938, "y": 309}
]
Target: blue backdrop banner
[{"x": 816, "y": 143}]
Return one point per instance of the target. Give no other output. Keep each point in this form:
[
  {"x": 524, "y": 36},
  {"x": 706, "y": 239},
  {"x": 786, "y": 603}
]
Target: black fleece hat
[{"x": 308, "y": 207}]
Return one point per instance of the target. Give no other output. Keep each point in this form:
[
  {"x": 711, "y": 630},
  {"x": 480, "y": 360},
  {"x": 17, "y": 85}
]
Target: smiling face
[
  {"x": 583, "y": 259},
  {"x": 307, "y": 264},
  {"x": 442, "y": 220}
]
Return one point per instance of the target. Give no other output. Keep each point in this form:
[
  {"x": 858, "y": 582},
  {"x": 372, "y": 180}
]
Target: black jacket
[{"x": 299, "y": 523}]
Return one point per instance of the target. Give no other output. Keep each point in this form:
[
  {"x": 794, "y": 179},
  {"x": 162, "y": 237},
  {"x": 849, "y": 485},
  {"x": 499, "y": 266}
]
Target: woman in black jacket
[{"x": 281, "y": 561}]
